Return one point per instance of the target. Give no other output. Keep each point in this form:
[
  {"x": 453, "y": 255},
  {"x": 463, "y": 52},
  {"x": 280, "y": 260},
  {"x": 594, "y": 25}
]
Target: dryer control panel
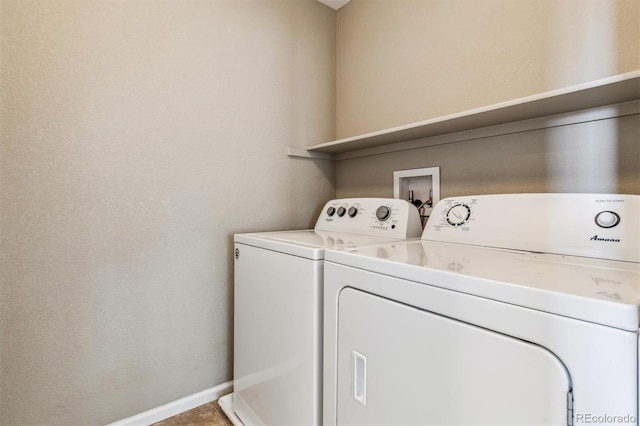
[
  {"x": 384, "y": 217},
  {"x": 605, "y": 226}
]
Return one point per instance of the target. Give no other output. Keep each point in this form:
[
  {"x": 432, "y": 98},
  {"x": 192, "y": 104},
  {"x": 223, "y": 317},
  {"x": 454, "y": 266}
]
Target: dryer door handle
[{"x": 359, "y": 373}]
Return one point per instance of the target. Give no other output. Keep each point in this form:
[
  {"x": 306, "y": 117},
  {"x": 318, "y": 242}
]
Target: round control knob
[
  {"x": 341, "y": 211},
  {"x": 331, "y": 211},
  {"x": 458, "y": 215},
  {"x": 352, "y": 212},
  {"x": 607, "y": 219},
  {"x": 383, "y": 213}
]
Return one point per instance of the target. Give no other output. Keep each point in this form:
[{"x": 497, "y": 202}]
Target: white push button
[{"x": 607, "y": 219}]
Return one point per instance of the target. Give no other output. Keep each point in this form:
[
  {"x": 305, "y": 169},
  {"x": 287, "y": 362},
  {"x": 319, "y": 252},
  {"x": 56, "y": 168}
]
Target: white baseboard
[{"x": 176, "y": 407}]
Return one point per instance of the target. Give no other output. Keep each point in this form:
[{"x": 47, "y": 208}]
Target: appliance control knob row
[
  {"x": 383, "y": 213},
  {"x": 352, "y": 212},
  {"x": 607, "y": 219}
]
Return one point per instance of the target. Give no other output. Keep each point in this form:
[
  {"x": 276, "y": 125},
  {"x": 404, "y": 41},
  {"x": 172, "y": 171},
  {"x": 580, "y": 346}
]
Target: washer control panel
[
  {"x": 603, "y": 226},
  {"x": 386, "y": 217}
]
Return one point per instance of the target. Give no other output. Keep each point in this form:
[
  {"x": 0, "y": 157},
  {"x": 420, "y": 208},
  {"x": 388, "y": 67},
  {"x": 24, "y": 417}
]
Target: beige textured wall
[
  {"x": 136, "y": 138},
  {"x": 402, "y": 61}
]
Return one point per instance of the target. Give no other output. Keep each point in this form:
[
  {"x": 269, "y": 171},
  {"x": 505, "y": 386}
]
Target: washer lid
[
  {"x": 307, "y": 243},
  {"x": 595, "y": 290}
]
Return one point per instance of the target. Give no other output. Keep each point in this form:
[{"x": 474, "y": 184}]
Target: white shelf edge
[
  {"x": 574, "y": 117},
  {"x": 611, "y": 90},
  {"x": 303, "y": 153}
]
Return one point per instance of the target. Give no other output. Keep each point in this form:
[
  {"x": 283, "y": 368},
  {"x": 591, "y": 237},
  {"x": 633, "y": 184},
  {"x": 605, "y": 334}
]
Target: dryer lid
[{"x": 595, "y": 290}]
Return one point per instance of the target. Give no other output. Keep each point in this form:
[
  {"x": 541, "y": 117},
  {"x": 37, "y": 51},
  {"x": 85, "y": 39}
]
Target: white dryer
[
  {"x": 511, "y": 309},
  {"x": 278, "y": 287}
]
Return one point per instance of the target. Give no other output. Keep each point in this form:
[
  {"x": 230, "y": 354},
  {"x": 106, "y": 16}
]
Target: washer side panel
[{"x": 276, "y": 337}]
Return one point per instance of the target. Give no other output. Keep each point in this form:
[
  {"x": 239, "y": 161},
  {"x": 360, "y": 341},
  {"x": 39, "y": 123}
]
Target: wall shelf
[{"x": 611, "y": 90}]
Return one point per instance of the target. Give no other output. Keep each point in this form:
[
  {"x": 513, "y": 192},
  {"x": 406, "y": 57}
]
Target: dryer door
[{"x": 401, "y": 365}]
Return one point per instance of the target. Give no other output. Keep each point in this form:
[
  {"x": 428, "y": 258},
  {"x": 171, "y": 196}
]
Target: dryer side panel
[{"x": 401, "y": 365}]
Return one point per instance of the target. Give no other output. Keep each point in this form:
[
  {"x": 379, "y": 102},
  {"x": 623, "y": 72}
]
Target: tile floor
[{"x": 206, "y": 415}]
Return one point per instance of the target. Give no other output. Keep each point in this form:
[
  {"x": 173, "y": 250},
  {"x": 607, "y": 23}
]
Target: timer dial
[
  {"x": 383, "y": 213},
  {"x": 458, "y": 215}
]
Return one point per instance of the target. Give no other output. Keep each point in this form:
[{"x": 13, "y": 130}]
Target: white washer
[
  {"x": 278, "y": 307},
  {"x": 512, "y": 309}
]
